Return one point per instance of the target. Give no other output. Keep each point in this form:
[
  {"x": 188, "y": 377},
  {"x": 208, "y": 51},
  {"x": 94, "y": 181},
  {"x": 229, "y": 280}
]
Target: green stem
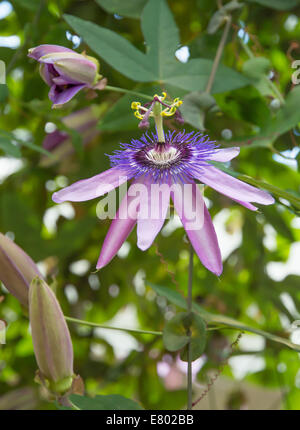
[
  {"x": 216, "y": 62},
  {"x": 125, "y": 91},
  {"x": 130, "y": 330},
  {"x": 28, "y": 38},
  {"x": 271, "y": 84},
  {"x": 189, "y": 308},
  {"x": 218, "y": 55}
]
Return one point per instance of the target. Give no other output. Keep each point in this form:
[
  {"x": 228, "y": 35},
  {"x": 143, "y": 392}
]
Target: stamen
[{"x": 155, "y": 110}]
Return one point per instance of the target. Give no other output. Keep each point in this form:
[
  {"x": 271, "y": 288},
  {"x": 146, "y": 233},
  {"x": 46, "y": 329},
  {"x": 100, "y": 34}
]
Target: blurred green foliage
[{"x": 255, "y": 106}]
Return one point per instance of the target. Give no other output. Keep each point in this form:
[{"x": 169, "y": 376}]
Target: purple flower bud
[
  {"x": 17, "y": 269},
  {"x": 65, "y": 71},
  {"x": 25, "y": 398},
  {"x": 51, "y": 339},
  {"x": 59, "y": 142}
]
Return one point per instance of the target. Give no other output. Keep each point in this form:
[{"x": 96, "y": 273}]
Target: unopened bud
[
  {"x": 51, "y": 339},
  {"x": 17, "y": 269},
  {"x": 65, "y": 71}
]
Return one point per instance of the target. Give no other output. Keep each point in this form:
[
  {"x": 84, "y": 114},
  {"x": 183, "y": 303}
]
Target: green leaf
[
  {"x": 198, "y": 338},
  {"x": 175, "y": 332},
  {"x": 276, "y": 219},
  {"x": 287, "y": 117},
  {"x": 31, "y": 5},
  {"x": 256, "y": 67},
  {"x": 216, "y": 21},
  {"x": 194, "y": 106},
  {"x": 10, "y": 137},
  {"x": 3, "y": 93},
  {"x": 277, "y": 4},
  {"x": 210, "y": 318},
  {"x": 130, "y": 9},
  {"x": 193, "y": 76},
  {"x": 101, "y": 403},
  {"x": 76, "y": 139},
  {"x": 160, "y": 63},
  {"x": 34, "y": 147},
  {"x": 172, "y": 295},
  {"x": 218, "y": 17},
  {"x": 119, "y": 116},
  {"x": 9, "y": 148},
  {"x": 161, "y": 36},
  {"x": 114, "y": 49}
]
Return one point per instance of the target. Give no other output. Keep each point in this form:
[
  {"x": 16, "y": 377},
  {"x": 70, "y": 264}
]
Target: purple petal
[
  {"x": 119, "y": 229},
  {"x": 77, "y": 70},
  {"x": 48, "y": 73},
  {"x": 58, "y": 80},
  {"x": 60, "y": 95},
  {"x": 247, "y": 205},
  {"x": 42, "y": 50},
  {"x": 73, "y": 67},
  {"x": 232, "y": 187},
  {"x": 53, "y": 57},
  {"x": 204, "y": 239},
  {"x": 226, "y": 154},
  {"x": 154, "y": 204},
  {"x": 93, "y": 187}
]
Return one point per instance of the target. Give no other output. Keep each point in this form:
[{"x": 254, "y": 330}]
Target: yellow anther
[
  {"x": 177, "y": 102},
  {"x": 138, "y": 115},
  {"x": 169, "y": 112},
  {"x": 135, "y": 105}
]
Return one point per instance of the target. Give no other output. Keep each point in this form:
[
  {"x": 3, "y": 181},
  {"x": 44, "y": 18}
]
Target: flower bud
[
  {"x": 72, "y": 67},
  {"x": 51, "y": 339},
  {"x": 20, "y": 399},
  {"x": 65, "y": 71},
  {"x": 59, "y": 142},
  {"x": 17, "y": 269}
]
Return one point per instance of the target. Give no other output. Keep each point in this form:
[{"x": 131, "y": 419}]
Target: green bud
[
  {"x": 17, "y": 269},
  {"x": 51, "y": 339}
]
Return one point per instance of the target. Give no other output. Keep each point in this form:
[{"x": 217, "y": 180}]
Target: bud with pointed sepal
[
  {"x": 51, "y": 339},
  {"x": 65, "y": 71},
  {"x": 17, "y": 269}
]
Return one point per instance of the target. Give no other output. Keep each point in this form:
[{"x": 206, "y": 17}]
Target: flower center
[{"x": 163, "y": 157}]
